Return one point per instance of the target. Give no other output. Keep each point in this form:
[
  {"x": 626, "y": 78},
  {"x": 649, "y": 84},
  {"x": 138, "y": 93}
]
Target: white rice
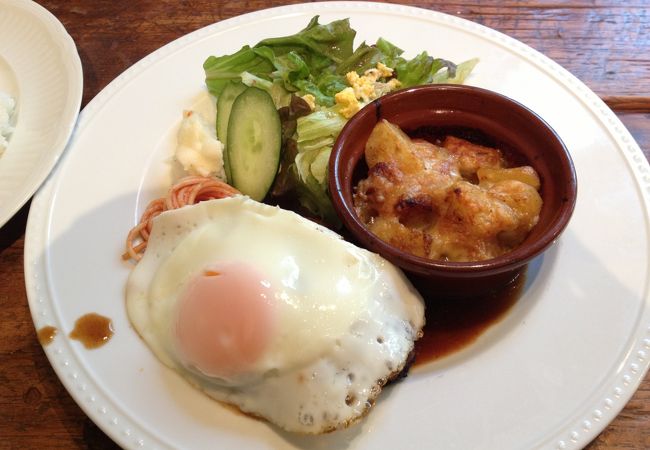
[{"x": 7, "y": 107}]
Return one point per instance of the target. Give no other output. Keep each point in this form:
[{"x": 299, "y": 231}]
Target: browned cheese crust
[{"x": 457, "y": 201}]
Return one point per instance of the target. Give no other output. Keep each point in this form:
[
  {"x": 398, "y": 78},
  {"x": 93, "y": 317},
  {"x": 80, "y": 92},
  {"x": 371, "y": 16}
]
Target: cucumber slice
[
  {"x": 224, "y": 105},
  {"x": 254, "y": 142}
]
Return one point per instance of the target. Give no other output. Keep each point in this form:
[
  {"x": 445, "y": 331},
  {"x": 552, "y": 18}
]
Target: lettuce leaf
[
  {"x": 312, "y": 191},
  {"x": 333, "y": 41},
  {"x": 390, "y": 52},
  {"x": 461, "y": 73},
  {"x": 305, "y": 61},
  {"x": 315, "y": 136},
  {"x": 319, "y": 124},
  {"x": 424, "y": 69},
  {"x": 281, "y": 97},
  {"x": 286, "y": 179},
  {"x": 220, "y": 70},
  {"x": 322, "y": 88},
  {"x": 364, "y": 57}
]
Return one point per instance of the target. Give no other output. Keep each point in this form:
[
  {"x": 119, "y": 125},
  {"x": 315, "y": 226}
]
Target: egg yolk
[{"x": 225, "y": 319}]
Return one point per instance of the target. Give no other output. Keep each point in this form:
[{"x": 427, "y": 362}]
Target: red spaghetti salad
[{"x": 187, "y": 191}]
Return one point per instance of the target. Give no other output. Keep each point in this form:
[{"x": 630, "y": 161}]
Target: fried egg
[{"x": 263, "y": 309}]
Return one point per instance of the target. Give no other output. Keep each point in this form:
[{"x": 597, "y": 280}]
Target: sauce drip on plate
[
  {"x": 46, "y": 335},
  {"x": 92, "y": 330},
  {"x": 453, "y": 324}
]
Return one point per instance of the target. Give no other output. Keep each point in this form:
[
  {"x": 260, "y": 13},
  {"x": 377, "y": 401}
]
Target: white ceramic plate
[
  {"x": 552, "y": 374},
  {"x": 40, "y": 68}
]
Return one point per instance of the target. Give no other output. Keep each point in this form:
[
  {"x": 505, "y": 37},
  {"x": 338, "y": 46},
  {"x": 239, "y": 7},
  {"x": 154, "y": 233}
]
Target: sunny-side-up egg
[{"x": 266, "y": 310}]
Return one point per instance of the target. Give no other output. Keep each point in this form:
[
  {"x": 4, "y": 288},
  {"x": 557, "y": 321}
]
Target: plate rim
[{"x": 578, "y": 433}]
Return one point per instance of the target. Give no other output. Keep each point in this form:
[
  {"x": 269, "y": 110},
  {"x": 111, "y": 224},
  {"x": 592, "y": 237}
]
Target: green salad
[{"x": 282, "y": 103}]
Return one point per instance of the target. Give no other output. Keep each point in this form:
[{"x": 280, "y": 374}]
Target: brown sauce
[
  {"x": 46, "y": 335},
  {"x": 453, "y": 324},
  {"x": 92, "y": 330}
]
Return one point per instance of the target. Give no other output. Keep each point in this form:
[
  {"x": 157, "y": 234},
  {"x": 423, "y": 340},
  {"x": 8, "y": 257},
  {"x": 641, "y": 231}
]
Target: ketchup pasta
[{"x": 187, "y": 191}]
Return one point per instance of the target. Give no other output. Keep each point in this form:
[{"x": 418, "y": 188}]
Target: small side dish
[{"x": 486, "y": 118}]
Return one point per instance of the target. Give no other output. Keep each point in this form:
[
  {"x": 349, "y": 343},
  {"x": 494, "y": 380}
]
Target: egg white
[{"x": 348, "y": 318}]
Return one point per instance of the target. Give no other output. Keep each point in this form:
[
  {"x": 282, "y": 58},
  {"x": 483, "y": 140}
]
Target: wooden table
[{"x": 605, "y": 43}]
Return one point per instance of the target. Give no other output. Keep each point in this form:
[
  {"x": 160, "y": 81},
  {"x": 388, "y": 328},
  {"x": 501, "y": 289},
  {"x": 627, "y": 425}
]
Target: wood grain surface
[{"x": 604, "y": 43}]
